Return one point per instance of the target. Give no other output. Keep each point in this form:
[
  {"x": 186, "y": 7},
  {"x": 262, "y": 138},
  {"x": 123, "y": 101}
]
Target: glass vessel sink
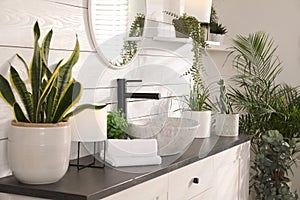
[{"x": 173, "y": 135}]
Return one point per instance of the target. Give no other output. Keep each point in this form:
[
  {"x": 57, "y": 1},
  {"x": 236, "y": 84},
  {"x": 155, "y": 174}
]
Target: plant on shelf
[
  {"x": 217, "y": 30},
  {"x": 130, "y": 47},
  {"x": 265, "y": 104},
  {"x": 117, "y": 125},
  {"x": 192, "y": 28},
  {"x": 273, "y": 158},
  {"x": 43, "y": 114}
]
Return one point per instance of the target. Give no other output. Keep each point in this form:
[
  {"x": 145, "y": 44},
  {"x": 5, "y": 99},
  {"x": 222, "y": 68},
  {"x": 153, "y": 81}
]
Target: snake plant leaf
[
  {"x": 6, "y": 92},
  {"x": 47, "y": 89},
  {"x": 45, "y": 48},
  {"x": 35, "y": 71},
  {"x": 65, "y": 72},
  {"x": 24, "y": 63},
  {"x": 49, "y": 85},
  {"x": 21, "y": 89},
  {"x": 82, "y": 107},
  {"x": 69, "y": 97},
  {"x": 49, "y": 105},
  {"x": 19, "y": 114}
]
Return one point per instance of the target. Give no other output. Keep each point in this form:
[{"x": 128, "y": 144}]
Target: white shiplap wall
[{"x": 70, "y": 17}]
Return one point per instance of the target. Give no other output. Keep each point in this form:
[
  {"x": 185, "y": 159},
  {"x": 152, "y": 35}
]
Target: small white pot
[
  {"x": 39, "y": 153},
  {"x": 216, "y": 38},
  {"x": 203, "y": 118},
  {"x": 227, "y": 124}
]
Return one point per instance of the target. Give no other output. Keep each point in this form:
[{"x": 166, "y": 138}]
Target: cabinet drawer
[
  {"x": 155, "y": 189},
  {"x": 207, "y": 195},
  {"x": 190, "y": 181}
]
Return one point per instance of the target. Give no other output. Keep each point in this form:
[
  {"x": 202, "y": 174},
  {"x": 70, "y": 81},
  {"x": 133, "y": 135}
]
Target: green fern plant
[{"x": 52, "y": 94}]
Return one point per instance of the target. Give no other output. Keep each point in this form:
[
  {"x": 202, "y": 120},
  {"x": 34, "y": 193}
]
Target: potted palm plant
[
  {"x": 265, "y": 104},
  {"x": 40, "y": 136},
  {"x": 226, "y": 122}
]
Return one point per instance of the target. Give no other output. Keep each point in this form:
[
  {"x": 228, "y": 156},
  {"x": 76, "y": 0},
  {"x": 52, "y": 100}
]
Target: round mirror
[{"x": 116, "y": 28}]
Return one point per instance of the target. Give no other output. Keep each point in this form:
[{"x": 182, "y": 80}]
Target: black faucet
[{"x": 122, "y": 95}]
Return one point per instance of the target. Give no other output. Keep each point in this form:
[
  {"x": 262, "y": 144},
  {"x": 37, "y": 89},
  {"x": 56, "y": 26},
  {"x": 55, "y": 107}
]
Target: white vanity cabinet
[{"x": 223, "y": 176}]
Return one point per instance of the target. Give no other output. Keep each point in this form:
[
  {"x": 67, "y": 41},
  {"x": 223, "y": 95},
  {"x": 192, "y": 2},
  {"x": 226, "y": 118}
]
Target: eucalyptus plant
[
  {"x": 273, "y": 160},
  {"x": 52, "y": 94}
]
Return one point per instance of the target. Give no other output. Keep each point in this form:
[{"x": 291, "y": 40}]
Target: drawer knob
[{"x": 196, "y": 180}]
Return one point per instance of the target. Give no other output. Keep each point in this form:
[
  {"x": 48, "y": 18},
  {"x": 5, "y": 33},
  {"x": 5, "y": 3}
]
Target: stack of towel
[{"x": 137, "y": 152}]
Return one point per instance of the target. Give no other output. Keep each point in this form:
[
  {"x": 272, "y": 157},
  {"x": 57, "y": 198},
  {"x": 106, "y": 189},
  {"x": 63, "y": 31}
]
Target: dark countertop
[{"x": 94, "y": 184}]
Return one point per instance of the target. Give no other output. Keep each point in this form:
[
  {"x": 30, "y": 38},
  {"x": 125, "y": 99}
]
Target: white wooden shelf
[
  {"x": 173, "y": 39},
  {"x": 212, "y": 46},
  {"x": 224, "y": 48}
]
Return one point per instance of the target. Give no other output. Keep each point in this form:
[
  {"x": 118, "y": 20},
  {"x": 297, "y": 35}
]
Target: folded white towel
[
  {"x": 132, "y": 148},
  {"x": 132, "y": 161}
]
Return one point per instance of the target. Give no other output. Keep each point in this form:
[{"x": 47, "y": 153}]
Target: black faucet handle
[{"x": 134, "y": 81}]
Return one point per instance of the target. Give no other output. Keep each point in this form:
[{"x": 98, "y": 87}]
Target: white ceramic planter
[
  {"x": 203, "y": 118},
  {"x": 227, "y": 124},
  {"x": 216, "y": 38},
  {"x": 39, "y": 153}
]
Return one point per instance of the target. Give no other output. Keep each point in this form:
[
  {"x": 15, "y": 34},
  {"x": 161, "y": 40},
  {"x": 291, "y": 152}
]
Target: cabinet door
[
  {"x": 244, "y": 171},
  {"x": 227, "y": 174},
  {"x": 155, "y": 189},
  {"x": 192, "y": 180}
]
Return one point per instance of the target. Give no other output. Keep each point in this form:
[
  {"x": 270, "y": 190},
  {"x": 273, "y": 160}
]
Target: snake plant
[{"x": 52, "y": 94}]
